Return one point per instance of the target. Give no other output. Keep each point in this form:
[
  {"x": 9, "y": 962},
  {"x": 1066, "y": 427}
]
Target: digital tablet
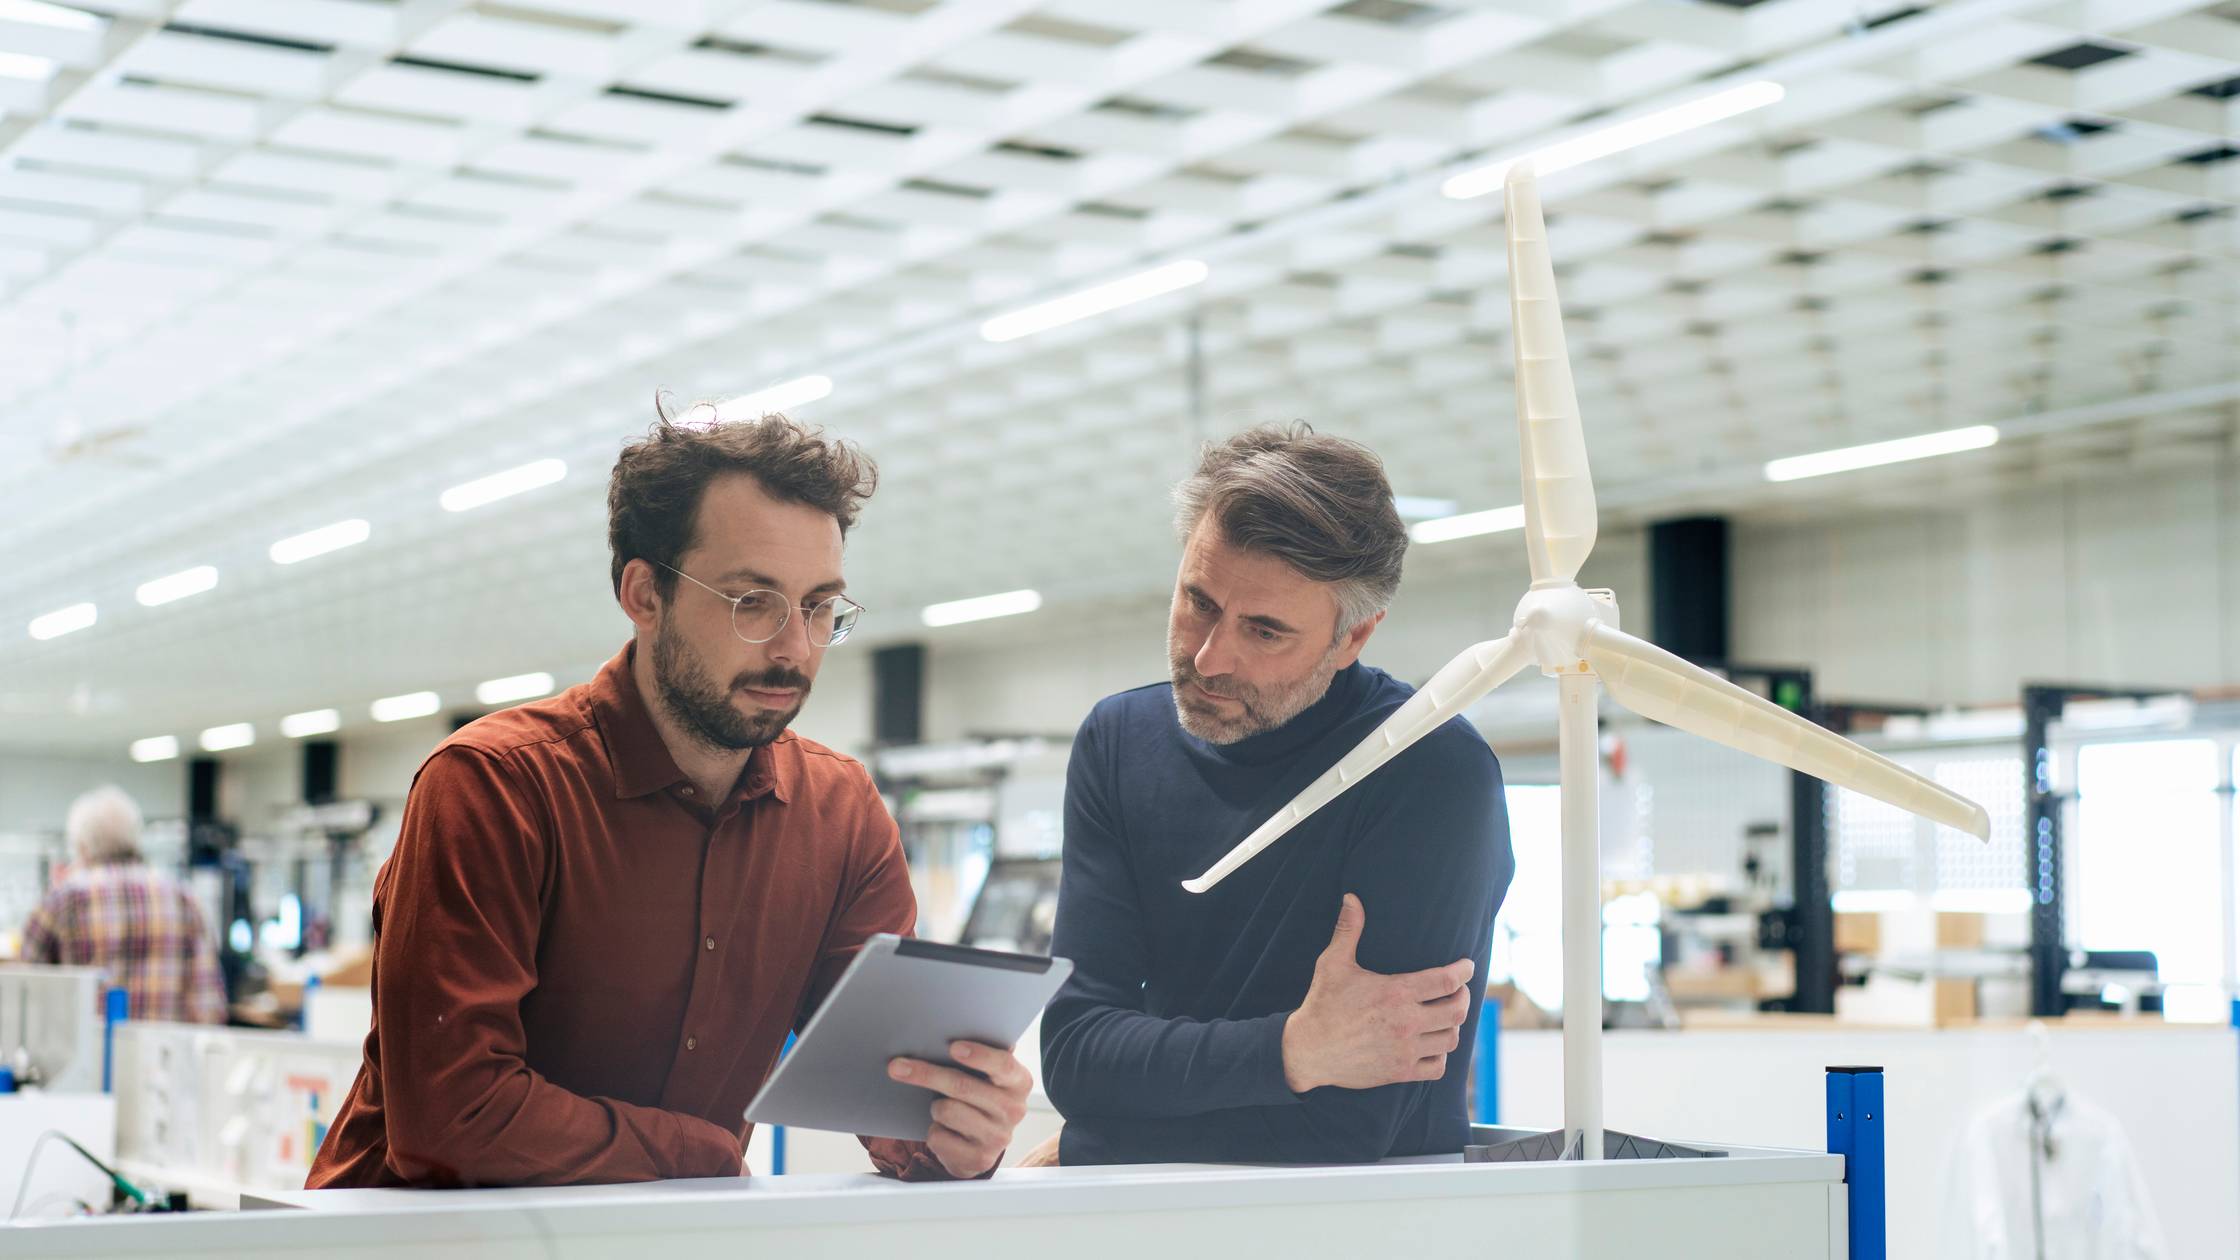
[{"x": 901, "y": 998}]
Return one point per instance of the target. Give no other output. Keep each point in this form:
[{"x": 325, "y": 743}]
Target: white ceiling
[{"x": 266, "y": 264}]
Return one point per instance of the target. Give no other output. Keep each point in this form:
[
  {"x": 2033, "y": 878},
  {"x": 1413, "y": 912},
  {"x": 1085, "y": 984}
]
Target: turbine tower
[{"x": 1573, "y": 636}]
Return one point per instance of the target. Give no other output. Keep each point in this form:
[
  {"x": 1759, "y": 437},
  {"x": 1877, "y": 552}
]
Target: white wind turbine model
[{"x": 1573, "y": 636}]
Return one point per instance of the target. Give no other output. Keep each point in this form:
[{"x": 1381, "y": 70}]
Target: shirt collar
[{"x": 641, "y": 760}]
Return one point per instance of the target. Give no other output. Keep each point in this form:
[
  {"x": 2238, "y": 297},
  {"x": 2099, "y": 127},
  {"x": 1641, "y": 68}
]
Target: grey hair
[
  {"x": 104, "y": 826},
  {"x": 1319, "y": 504}
]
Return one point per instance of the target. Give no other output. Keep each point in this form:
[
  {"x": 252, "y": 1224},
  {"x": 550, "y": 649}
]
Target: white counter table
[{"x": 1757, "y": 1203}]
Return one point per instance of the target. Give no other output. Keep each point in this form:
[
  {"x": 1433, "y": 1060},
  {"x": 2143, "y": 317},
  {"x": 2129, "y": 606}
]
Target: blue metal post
[
  {"x": 1855, "y": 1132},
  {"x": 778, "y": 1131},
  {"x": 116, "y": 1007},
  {"x": 1487, "y": 1067}
]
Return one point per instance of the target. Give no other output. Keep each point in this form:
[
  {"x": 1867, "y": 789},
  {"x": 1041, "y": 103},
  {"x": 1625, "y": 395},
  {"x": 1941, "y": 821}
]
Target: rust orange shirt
[{"x": 583, "y": 973}]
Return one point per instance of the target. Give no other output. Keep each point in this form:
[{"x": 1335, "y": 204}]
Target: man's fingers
[
  {"x": 1438, "y": 1041},
  {"x": 962, "y": 1086},
  {"x": 1447, "y": 1012},
  {"x": 959, "y": 1154},
  {"x": 1431, "y": 1068},
  {"x": 1000, "y": 1066},
  {"x": 1427, "y": 986},
  {"x": 972, "y": 1123}
]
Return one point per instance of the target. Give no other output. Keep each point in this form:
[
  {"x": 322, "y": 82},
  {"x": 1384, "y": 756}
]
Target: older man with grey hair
[
  {"x": 1240, "y": 1025},
  {"x": 114, "y": 911}
]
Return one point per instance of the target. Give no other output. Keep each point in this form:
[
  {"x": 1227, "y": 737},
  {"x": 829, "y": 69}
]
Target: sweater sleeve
[
  {"x": 1430, "y": 861},
  {"x": 1101, "y": 1053}
]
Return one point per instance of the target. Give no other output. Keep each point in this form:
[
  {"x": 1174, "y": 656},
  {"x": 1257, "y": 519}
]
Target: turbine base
[{"x": 1549, "y": 1147}]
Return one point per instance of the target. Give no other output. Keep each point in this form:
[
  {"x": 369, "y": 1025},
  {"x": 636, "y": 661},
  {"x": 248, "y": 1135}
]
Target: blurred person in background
[{"x": 113, "y": 911}]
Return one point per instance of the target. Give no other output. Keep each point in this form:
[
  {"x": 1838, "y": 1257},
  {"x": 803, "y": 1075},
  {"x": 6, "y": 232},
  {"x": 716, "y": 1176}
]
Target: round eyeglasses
[{"x": 760, "y": 616}]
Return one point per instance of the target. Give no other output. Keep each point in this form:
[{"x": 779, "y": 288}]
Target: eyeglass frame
[{"x": 786, "y": 602}]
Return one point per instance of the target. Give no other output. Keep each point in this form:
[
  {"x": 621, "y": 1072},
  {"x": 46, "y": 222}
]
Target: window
[
  {"x": 1884, "y": 856},
  {"x": 1528, "y": 933},
  {"x": 2144, "y": 870}
]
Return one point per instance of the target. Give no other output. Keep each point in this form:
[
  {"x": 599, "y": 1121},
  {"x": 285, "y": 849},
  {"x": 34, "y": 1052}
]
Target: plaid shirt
[{"x": 140, "y": 927}]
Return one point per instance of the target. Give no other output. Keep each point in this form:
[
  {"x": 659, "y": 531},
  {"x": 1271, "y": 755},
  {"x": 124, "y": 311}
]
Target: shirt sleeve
[
  {"x": 454, "y": 954},
  {"x": 1431, "y": 862},
  {"x": 1102, "y": 1054},
  {"x": 42, "y": 943},
  {"x": 877, "y": 898}
]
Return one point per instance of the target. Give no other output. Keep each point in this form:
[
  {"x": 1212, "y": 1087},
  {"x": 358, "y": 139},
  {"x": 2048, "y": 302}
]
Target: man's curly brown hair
[{"x": 653, "y": 497}]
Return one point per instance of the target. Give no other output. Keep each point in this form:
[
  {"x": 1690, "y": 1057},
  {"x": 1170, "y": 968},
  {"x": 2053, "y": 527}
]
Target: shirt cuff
[{"x": 913, "y": 1161}]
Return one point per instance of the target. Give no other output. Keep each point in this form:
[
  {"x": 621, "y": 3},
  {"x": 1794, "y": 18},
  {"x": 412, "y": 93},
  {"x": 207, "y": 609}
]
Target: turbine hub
[{"x": 1553, "y": 617}]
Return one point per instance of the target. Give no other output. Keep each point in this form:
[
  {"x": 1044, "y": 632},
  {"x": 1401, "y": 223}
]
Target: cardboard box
[
  {"x": 1957, "y": 929},
  {"x": 1858, "y": 932},
  {"x": 1933, "y": 1002},
  {"x": 1954, "y": 1001}
]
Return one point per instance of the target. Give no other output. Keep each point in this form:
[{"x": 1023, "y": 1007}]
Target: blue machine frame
[{"x": 1855, "y": 1132}]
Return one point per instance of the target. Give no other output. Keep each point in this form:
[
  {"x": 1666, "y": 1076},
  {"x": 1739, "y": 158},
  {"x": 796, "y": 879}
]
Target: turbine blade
[
  {"x": 1477, "y": 670},
  {"x": 1559, "y": 510},
  {"x": 1656, "y": 684}
]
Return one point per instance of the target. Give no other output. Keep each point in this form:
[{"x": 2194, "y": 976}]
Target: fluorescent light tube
[
  {"x": 782, "y": 397},
  {"x": 503, "y": 485},
  {"x": 517, "y": 687},
  {"x": 179, "y": 585},
  {"x": 1468, "y": 525},
  {"x": 63, "y": 621},
  {"x": 1413, "y": 507},
  {"x": 25, "y": 66},
  {"x": 398, "y": 708},
  {"x": 156, "y": 748},
  {"x": 44, "y": 14},
  {"x": 959, "y": 611},
  {"x": 312, "y": 722},
  {"x": 320, "y": 541},
  {"x": 234, "y": 735},
  {"x": 1096, "y": 300},
  {"x": 1875, "y": 454},
  {"x": 1618, "y": 137}
]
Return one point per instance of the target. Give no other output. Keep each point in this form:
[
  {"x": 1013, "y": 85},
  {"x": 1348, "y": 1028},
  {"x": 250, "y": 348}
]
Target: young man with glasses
[
  {"x": 606, "y": 909},
  {"x": 1240, "y": 1025}
]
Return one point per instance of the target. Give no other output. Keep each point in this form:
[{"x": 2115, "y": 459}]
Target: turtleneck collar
[{"x": 1317, "y": 720}]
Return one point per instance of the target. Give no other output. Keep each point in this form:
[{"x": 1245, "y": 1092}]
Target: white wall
[
  {"x": 36, "y": 790},
  {"x": 2131, "y": 581}
]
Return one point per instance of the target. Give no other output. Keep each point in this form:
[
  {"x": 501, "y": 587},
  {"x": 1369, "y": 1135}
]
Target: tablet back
[{"x": 901, "y": 997}]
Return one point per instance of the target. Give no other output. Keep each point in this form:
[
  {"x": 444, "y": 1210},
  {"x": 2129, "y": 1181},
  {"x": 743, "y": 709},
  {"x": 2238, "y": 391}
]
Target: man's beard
[
  {"x": 1265, "y": 708},
  {"x": 705, "y": 711}
]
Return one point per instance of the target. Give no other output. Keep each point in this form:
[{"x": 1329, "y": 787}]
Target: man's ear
[
  {"x": 640, "y": 597},
  {"x": 1357, "y": 639}
]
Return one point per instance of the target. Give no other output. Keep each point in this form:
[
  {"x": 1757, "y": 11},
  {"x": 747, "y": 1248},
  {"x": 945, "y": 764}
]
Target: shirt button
[
  {"x": 692, "y": 1043},
  {"x": 710, "y": 942}
]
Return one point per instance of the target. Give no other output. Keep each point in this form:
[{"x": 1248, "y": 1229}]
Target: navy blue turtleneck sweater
[{"x": 1166, "y": 1045}]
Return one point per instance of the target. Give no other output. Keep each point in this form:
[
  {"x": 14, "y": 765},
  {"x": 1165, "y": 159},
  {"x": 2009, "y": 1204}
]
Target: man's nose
[
  {"x": 1213, "y": 657},
  {"x": 792, "y": 645}
]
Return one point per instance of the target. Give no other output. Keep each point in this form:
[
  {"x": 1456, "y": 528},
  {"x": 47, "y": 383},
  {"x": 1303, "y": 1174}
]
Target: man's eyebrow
[
  {"x": 1194, "y": 590},
  {"x": 736, "y": 576}
]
